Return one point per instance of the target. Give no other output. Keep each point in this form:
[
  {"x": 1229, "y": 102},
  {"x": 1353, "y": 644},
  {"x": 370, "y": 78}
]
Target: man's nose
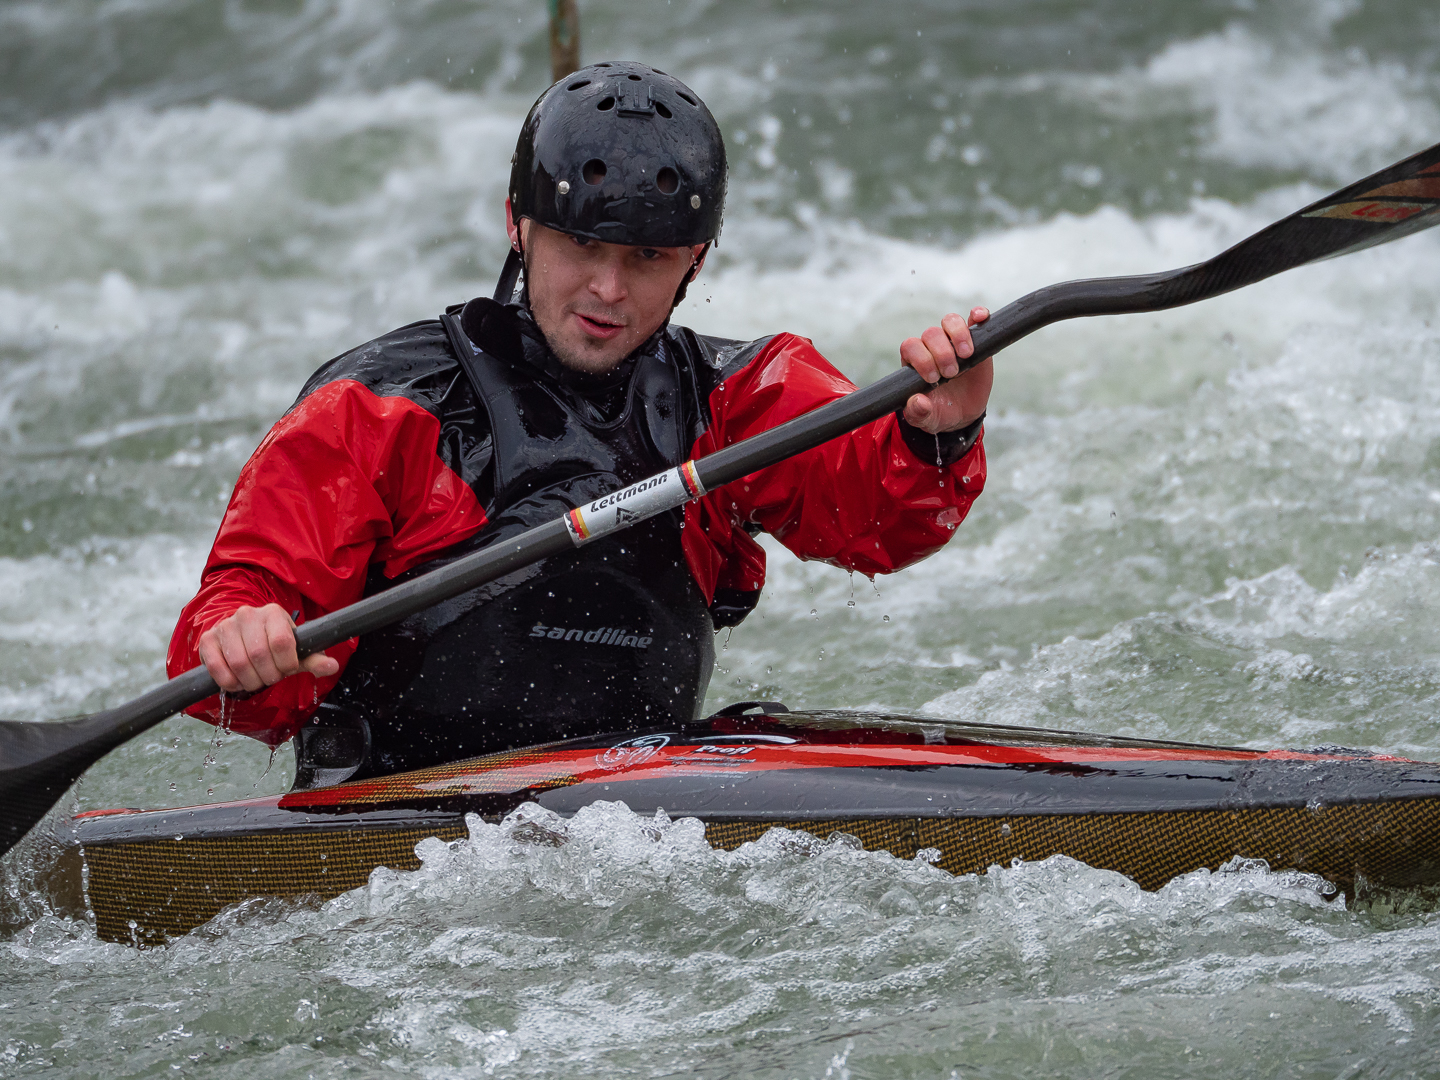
[{"x": 608, "y": 283}]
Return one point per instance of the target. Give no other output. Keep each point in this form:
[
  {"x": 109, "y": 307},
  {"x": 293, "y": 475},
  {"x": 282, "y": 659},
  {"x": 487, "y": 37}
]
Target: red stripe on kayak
[
  {"x": 541, "y": 770},
  {"x": 644, "y": 762}
]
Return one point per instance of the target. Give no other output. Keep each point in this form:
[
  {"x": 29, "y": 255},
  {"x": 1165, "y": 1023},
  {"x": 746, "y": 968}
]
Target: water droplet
[
  {"x": 850, "y": 603},
  {"x": 884, "y": 618},
  {"x": 1004, "y": 830},
  {"x": 814, "y": 614}
]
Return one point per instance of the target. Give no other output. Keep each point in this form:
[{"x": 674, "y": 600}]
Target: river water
[{"x": 1217, "y": 524}]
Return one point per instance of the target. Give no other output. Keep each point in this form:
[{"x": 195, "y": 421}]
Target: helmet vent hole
[
  {"x": 633, "y": 78},
  {"x": 593, "y": 172},
  {"x": 687, "y": 97},
  {"x": 605, "y": 104},
  {"x": 668, "y": 180},
  {"x": 578, "y": 85},
  {"x": 662, "y": 110}
]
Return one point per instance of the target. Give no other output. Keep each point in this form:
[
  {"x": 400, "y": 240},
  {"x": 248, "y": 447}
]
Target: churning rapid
[{"x": 1217, "y": 524}]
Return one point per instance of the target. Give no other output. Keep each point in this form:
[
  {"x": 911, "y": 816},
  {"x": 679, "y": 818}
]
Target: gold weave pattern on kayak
[
  {"x": 1391, "y": 843},
  {"x": 146, "y": 891},
  {"x": 492, "y": 774}
]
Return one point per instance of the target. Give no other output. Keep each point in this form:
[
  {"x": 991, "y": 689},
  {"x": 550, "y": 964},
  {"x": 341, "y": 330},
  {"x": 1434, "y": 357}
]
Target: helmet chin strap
[
  {"x": 505, "y": 287},
  {"x": 690, "y": 276}
]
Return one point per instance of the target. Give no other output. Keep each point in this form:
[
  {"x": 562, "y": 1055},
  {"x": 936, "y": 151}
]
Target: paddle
[{"x": 39, "y": 761}]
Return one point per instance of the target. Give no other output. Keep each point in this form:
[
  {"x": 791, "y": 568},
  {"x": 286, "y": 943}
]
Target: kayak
[{"x": 962, "y": 796}]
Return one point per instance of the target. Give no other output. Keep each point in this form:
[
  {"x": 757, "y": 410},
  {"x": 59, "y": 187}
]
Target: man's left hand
[{"x": 936, "y": 354}]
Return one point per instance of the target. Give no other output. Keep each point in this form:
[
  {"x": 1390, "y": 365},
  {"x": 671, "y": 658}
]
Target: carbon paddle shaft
[{"x": 38, "y": 761}]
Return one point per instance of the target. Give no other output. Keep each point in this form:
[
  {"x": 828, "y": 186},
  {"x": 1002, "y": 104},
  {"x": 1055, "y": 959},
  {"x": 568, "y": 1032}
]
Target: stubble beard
[
  {"x": 593, "y": 359},
  {"x": 568, "y": 343}
]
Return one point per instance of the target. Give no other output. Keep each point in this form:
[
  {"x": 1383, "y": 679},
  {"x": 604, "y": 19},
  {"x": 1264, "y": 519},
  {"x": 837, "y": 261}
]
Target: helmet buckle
[{"x": 635, "y": 100}]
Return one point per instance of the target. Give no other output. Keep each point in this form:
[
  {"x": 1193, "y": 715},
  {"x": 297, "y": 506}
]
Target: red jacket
[{"x": 351, "y": 479}]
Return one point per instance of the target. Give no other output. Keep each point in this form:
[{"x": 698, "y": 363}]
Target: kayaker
[{"x": 453, "y": 433}]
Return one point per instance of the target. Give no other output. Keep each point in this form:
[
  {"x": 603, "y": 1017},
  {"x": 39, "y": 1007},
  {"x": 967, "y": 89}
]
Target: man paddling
[{"x": 456, "y": 433}]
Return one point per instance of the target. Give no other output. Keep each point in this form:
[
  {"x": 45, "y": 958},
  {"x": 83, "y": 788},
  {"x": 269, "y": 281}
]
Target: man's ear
[{"x": 697, "y": 261}]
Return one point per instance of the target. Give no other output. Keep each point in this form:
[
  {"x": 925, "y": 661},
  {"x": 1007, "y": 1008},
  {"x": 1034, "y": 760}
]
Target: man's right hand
[{"x": 255, "y": 648}]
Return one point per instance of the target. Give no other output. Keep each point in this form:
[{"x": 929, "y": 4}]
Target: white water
[
  {"x": 632, "y": 945},
  {"x": 1216, "y": 524}
]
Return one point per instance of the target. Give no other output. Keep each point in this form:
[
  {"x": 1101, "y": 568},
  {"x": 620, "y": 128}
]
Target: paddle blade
[
  {"x": 38, "y": 763},
  {"x": 1394, "y": 202}
]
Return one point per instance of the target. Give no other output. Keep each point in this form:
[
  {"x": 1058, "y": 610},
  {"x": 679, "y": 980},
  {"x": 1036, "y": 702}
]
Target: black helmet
[{"x": 623, "y": 153}]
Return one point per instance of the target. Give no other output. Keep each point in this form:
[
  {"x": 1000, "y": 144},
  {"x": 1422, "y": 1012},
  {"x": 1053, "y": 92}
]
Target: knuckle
[{"x": 232, "y": 652}]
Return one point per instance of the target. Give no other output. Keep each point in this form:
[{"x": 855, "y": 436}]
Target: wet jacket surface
[{"x": 392, "y": 461}]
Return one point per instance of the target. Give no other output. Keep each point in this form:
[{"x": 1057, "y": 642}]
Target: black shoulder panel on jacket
[
  {"x": 712, "y": 360},
  {"x": 414, "y": 362},
  {"x": 417, "y": 362},
  {"x": 722, "y": 356}
]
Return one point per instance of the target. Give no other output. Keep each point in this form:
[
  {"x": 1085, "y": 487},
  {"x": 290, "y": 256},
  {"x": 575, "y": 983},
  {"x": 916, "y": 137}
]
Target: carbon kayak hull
[{"x": 964, "y": 796}]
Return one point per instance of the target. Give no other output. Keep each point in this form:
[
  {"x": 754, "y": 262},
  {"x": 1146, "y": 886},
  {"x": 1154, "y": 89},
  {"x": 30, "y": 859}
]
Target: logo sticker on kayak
[
  {"x": 632, "y": 752},
  {"x": 709, "y": 754},
  {"x": 651, "y": 496}
]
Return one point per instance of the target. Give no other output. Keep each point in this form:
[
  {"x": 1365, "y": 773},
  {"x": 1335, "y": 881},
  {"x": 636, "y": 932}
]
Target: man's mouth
[{"x": 598, "y": 326}]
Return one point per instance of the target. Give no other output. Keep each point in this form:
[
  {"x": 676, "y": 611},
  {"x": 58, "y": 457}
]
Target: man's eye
[
  {"x": 582, "y": 241},
  {"x": 649, "y": 253}
]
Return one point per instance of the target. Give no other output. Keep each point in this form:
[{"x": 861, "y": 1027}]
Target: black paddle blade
[
  {"x": 39, "y": 761},
  {"x": 1392, "y": 203}
]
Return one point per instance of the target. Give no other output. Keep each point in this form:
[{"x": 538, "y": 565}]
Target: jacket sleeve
[
  {"x": 345, "y": 479},
  {"x": 864, "y": 501}
]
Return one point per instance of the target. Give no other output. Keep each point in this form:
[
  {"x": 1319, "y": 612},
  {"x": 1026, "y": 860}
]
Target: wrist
[{"x": 943, "y": 447}]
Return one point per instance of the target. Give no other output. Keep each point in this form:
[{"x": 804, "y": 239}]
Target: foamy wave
[
  {"x": 1286, "y": 104},
  {"x": 78, "y": 626}
]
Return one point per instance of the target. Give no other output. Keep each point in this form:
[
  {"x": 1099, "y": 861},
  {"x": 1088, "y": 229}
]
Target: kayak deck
[{"x": 977, "y": 795}]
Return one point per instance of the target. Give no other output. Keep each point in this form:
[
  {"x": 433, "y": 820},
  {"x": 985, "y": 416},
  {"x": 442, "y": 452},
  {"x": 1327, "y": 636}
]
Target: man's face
[{"x": 597, "y": 302}]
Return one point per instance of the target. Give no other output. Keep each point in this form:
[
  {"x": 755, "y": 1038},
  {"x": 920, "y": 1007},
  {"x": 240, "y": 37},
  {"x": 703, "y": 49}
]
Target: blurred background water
[{"x": 1216, "y": 524}]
